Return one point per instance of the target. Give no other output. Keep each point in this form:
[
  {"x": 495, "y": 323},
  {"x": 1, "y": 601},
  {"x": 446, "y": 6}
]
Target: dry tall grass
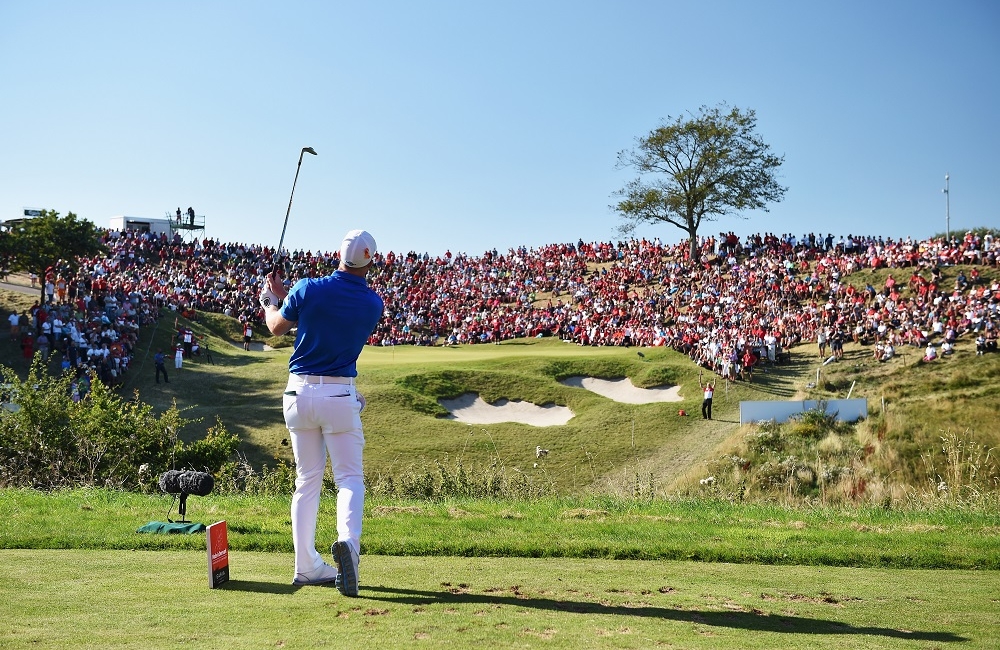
[{"x": 816, "y": 460}]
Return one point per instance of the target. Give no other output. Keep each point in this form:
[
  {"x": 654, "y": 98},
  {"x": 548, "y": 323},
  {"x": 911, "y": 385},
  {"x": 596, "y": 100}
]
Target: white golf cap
[{"x": 357, "y": 249}]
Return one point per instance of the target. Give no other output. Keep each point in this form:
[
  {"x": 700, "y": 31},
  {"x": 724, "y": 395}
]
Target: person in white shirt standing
[
  {"x": 708, "y": 389},
  {"x": 15, "y": 325},
  {"x": 247, "y": 335}
]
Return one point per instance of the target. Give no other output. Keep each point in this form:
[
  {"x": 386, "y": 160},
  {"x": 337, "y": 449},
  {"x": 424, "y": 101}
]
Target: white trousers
[{"x": 324, "y": 419}]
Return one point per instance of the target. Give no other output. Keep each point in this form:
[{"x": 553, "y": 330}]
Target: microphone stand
[{"x": 181, "y": 501}]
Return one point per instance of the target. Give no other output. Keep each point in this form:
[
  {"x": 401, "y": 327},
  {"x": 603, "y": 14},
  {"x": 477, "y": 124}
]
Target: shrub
[
  {"x": 239, "y": 477},
  {"x": 211, "y": 452},
  {"x": 49, "y": 441},
  {"x": 764, "y": 437},
  {"x": 816, "y": 424}
]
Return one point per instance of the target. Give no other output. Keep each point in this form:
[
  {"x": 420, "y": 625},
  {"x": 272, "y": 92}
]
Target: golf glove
[
  {"x": 268, "y": 298},
  {"x": 362, "y": 401}
]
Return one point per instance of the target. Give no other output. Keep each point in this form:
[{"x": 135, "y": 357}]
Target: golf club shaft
[{"x": 281, "y": 242}]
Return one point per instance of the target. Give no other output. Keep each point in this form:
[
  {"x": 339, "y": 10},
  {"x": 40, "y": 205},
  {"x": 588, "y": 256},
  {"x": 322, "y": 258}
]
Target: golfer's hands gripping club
[{"x": 273, "y": 291}]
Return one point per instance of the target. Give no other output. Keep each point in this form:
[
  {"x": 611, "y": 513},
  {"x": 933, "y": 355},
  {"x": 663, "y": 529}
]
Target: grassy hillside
[{"x": 607, "y": 446}]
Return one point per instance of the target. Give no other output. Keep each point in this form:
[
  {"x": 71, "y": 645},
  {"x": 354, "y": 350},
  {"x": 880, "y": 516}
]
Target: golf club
[{"x": 277, "y": 252}]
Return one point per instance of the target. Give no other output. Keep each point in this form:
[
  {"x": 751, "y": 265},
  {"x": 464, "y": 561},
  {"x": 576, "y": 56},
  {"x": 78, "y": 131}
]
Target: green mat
[{"x": 171, "y": 528}]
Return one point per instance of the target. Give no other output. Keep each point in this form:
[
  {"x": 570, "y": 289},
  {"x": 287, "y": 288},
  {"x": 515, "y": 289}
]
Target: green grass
[
  {"x": 924, "y": 404},
  {"x": 609, "y": 528},
  {"x": 74, "y": 599}
]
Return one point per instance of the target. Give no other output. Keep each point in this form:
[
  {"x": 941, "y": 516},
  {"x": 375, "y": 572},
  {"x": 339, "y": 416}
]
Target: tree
[
  {"x": 6, "y": 253},
  {"x": 710, "y": 165},
  {"x": 43, "y": 242}
]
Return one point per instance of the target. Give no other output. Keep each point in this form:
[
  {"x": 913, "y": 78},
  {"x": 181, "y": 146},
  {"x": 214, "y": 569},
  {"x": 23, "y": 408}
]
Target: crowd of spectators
[
  {"x": 737, "y": 303},
  {"x": 88, "y": 326}
]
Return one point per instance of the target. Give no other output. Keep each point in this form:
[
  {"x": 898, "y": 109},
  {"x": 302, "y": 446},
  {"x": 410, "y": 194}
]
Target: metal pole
[{"x": 947, "y": 208}]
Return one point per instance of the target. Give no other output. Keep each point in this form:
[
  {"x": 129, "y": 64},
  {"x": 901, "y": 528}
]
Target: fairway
[
  {"x": 406, "y": 424},
  {"x": 160, "y": 599},
  {"x": 374, "y": 357}
]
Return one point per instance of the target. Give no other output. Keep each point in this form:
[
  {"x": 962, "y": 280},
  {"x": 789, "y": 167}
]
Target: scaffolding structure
[{"x": 190, "y": 227}]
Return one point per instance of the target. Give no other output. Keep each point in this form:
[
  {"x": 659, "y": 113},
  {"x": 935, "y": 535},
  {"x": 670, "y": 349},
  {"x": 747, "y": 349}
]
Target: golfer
[
  {"x": 335, "y": 316},
  {"x": 708, "y": 390},
  {"x": 247, "y": 336}
]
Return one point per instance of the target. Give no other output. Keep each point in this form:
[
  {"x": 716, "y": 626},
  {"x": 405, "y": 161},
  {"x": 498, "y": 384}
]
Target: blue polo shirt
[{"x": 335, "y": 316}]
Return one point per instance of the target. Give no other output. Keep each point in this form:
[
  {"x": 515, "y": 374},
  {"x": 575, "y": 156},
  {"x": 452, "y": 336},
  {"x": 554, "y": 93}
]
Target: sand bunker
[
  {"x": 622, "y": 390},
  {"x": 472, "y": 409}
]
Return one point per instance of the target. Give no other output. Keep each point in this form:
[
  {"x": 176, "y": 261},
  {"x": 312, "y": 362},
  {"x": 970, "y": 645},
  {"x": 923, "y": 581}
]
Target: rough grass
[{"x": 924, "y": 404}]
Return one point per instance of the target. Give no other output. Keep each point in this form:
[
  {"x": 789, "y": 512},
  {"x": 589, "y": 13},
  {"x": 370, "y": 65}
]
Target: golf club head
[{"x": 310, "y": 150}]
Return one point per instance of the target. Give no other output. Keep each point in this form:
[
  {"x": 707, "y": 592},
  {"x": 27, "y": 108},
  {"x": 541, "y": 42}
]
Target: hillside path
[
  {"x": 20, "y": 288},
  {"x": 690, "y": 451},
  {"x": 684, "y": 456}
]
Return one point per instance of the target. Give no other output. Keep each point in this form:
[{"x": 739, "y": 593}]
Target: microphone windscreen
[
  {"x": 197, "y": 483},
  {"x": 170, "y": 481}
]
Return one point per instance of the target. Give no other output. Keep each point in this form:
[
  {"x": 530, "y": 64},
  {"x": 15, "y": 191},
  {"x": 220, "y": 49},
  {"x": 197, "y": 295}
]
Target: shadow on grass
[
  {"x": 204, "y": 389},
  {"x": 779, "y": 379},
  {"x": 258, "y": 587},
  {"x": 755, "y": 621}
]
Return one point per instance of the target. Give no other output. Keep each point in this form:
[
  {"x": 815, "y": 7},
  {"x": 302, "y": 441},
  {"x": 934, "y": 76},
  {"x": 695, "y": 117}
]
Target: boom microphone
[
  {"x": 184, "y": 483},
  {"x": 196, "y": 483},
  {"x": 170, "y": 481},
  {"x": 199, "y": 484}
]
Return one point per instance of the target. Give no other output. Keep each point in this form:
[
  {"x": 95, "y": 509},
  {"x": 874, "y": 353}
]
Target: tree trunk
[
  {"x": 693, "y": 239},
  {"x": 41, "y": 281}
]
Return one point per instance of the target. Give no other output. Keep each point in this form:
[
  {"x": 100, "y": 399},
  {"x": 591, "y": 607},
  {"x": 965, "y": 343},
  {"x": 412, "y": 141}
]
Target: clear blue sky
[{"x": 469, "y": 125}]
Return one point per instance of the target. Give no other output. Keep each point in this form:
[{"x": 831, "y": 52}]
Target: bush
[
  {"x": 816, "y": 424},
  {"x": 211, "y": 452},
  {"x": 239, "y": 477},
  {"x": 764, "y": 438},
  {"x": 49, "y": 441}
]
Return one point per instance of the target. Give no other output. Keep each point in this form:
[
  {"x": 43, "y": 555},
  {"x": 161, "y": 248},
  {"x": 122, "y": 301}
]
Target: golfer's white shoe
[
  {"x": 325, "y": 574},
  {"x": 347, "y": 564}
]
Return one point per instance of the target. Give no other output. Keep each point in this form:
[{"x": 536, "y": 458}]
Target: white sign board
[{"x": 846, "y": 410}]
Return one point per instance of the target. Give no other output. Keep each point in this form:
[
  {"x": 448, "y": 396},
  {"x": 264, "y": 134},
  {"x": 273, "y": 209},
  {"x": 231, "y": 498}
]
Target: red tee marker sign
[{"x": 218, "y": 554}]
